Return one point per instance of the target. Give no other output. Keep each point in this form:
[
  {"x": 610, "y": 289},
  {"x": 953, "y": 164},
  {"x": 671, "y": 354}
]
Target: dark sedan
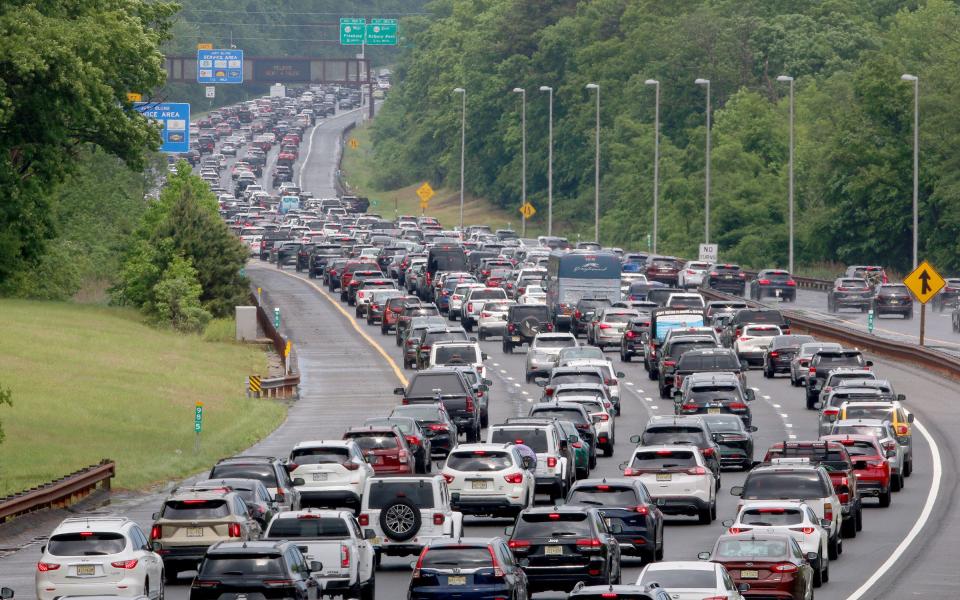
[
  {"x": 435, "y": 423},
  {"x": 781, "y": 352},
  {"x": 725, "y": 278},
  {"x": 893, "y": 299}
]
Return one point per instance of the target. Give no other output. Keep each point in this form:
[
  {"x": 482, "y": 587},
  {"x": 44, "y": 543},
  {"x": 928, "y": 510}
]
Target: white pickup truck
[{"x": 333, "y": 538}]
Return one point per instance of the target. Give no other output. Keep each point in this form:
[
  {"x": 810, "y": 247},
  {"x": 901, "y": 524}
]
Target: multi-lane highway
[{"x": 348, "y": 371}]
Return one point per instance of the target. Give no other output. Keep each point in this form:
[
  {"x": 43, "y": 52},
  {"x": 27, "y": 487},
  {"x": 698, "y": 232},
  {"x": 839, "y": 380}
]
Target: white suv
[
  {"x": 691, "y": 275},
  {"x": 99, "y": 556},
  {"x": 333, "y": 472},
  {"x": 456, "y": 298},
  {"x": 458, "y": 353},
  {"x": 489, "y": 479},
  {"x": 406, "y": 513},
  {"x": 493, "y": 318},
  {"x": 678, "y": 479},
  {"x": 473, "y": 302},
  {"x": 543, "y": 437}
]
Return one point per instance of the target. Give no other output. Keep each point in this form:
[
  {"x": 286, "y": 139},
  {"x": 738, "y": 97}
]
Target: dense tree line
[{"x": 853, "y": 118}]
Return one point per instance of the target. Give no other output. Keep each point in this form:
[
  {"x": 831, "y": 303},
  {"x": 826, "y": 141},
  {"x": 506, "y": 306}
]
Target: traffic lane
[{"x": 321, "y": 158}]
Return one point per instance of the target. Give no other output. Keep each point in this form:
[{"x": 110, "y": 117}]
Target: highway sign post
[
  {"x": 870, "y": 321},
  {"x": 276, "y": 317},
  {"x": 425, "y": 192},
  {"x": 381, "y": 32},
  {"x": 708, "y": 252},
  {"x": 352, "y": 32},
  {"x": 174, "y": 117},
  {"x": 924, "y": 283},
  {"x": 220, "y": 66},
  {"x": 197, "y": 425}
]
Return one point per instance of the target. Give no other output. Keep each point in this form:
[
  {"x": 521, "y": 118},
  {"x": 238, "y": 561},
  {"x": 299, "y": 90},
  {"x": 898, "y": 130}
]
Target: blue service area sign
[
  {"x": 175, "y": 119},
  {"x": 220, "y": 66}
]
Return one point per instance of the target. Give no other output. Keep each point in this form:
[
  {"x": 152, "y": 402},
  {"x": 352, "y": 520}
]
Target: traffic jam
[{"x": 521, "y": 457}]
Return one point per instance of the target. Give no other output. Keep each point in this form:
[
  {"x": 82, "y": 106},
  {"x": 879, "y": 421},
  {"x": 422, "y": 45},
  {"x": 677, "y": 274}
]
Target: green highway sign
[
  {"x": 198, "y": 417},
  {"x": 352, "y": 32},
  {"x": 382, "y": 32}
]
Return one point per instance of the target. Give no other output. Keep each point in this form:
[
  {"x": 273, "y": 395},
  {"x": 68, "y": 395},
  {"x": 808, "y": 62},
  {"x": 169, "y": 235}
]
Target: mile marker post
[{"x": 197, "y": 425}]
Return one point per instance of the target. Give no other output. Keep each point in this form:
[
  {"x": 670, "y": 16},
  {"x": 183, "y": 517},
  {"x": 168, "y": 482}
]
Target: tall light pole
[
  {"x": 596, "y": 169},
  {"x": 656, "y": 159},
  {"x": 916, "y": 159},
  {"x": 546, "y": 88},
  {"x": 523, "y": 168},
  {"x": 706, "y": 202},
  {"x": 787, "y": 78},
  {"x": 463, "y": 142}
]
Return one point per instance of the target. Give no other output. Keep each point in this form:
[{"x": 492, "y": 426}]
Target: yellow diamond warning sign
[
  {"x": 425, "y": 192},
  {"x": 924, "y": 282},
  {"x": 527, "y": 210}
]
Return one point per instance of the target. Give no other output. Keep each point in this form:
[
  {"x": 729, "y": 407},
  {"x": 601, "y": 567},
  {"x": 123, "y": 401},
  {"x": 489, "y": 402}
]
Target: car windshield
[
  {"x": 567, "y": 414},
  {"x": 680, "y": 578},
  {"x": 771, "y": 517},
  {"x": 479, "y": 460},
  {"x": 241, "y": 471},
  {"x": 673, "y": 434},
  {"x": 373, "y": 441},
  {"x": 460, "y": 557},
  {"x": 535, "y": 438},
  {"x": 554, "y": 342},
  {"x": 195, "y": 510},
  {"x": 724, "y": 424},
  {"x": 423, "y": 386},
  {"x": 603, "y": 495},
  {"x": 242, "y": 564},
  {"x": 308, "y": 526},
  {"x": 456, "y": 354},
  {"x": 86, "y": 543},
  {"x": 552, "y": 525},
  {"x": 860, "y": 448},
  {"x": 875, "y": 430},
  {"x": 737, "y": 548},
  {"x": 663, "y": 459},
  {"x": 318, "y": 456},
  {"x": 617, "y": 317},
  {"x": 384, "y": 492},
  {"x": 521, "y": 312},
  {"x": 783, "y": 485}
]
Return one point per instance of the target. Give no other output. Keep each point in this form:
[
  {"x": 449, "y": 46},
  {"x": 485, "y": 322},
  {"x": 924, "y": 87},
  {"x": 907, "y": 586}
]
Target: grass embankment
[
  {"x": 92, "y": 382},
  {"x": 358, "y": 167}
]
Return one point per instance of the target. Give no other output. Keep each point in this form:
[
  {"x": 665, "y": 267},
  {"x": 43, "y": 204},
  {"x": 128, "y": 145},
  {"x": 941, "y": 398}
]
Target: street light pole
[
  {"x": 523, "y": 171},
  {"x": 545, "y": 88},
  {"x": 706, "y": 235},
  {"x": 656, "y": 160},
  {"x": 787, "y": 78},
  {"x": 916, "y": 160},
  {"x": 596, "y": 169},
  {"x": 463, "y": 142}
]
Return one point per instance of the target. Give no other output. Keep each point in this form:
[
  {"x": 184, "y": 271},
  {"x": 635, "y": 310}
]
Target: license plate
[
  {"x": 553, "y": 550},
  {"x": 728, "y": 276},
  {"x": 749, "y": 574},
  {"x": 713, "y": 411},
  {"x": 664, "y": 476},
  {"x": 375, "y": 541},
  {"x": 515, "y": 338},
  {"x": 194, "y": 531},
  {"x": 478, "y": 485},
  {"x": 86, "y": 570},
  {"x": 457, "y": 580},
  {"x": 320, "y": 476}
]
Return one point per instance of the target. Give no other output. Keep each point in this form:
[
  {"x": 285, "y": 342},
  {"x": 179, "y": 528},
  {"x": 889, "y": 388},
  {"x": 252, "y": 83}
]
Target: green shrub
[{"x": 177, "y": 297}]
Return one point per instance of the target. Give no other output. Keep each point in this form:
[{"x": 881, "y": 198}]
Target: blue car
[{"x": 467, "y": 569}]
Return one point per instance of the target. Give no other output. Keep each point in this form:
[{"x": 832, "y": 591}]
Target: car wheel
[
  {"x": 369, "y": 591},
  {"x": 826, "y": 571},
  {"x": 704, "y": 515},
  {"x": 849, "y": 528},
  {"x": 884, "y": 498},
  {"x": 400, "y": 520},
  {"x": 859, "y": 518},
  {"x": 593, "y": 461},
  {"x": 818, "y": 571},
  {"x": 608, "y": 450},
  {"x": 908, "y": 468},
  {"x": 897, "y": 483},
  {"x": 664, "y": 391},
  {"x": 481, "y": 335},
  {"x": 170, "y": 572},
  {"x": 624, "y": 357},
  {"x": 658, "y": 553},
  {"x": 467, "y": 324},
  {"x": 507, "y": 348},
  {"x": 811, "y": 400},
  {"x": 833, "y": 548}
]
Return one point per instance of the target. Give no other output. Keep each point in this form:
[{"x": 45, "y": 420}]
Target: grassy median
[{"x": 92, "y": 382}]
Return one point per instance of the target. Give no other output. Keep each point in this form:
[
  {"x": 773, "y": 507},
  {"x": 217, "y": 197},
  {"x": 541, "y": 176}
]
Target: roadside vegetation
[{"x": 91, "y": 382}]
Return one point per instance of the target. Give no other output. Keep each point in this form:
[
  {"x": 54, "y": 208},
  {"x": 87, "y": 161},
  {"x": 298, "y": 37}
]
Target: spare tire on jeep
[
  {"x": 530, "y": 327},
  {"x": 400, "y": 520}
]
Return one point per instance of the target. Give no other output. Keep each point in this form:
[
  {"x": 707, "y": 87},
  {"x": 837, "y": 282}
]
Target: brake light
[
  {"x": 774, "y": 354},
  {"x": 589, "y": 544},
  {"x": 156, "y": 532},
  {"x": 277, "y": 582},
  {"x": 233, "y": 530},
  {"x": 438, "y": 427},
  {"x": 519, "y": 545},
  {"x": 744, "y": 338},
  {"x": 738, "y": 530},
  {"x": 604, "y": 326},
  {"x": 515, "y": 478},
  {"x": 844, "y": 498},
  {"x": 412, "y": 440},
  {"x": 364, "y": 519},
  {"x": 628, "y": 472},
  {"x": 548, "y": 391},
  {"x": 641, "y": 510},
  {"x": 549, "y": 326},
  {"x": 485, "y": 315},
  {"x": 791, "y": 283},
  {"x": 688, "y": 407},
  {"x": 828, "y": 511},
  {"x": 831, "y": 412},
  {"x": 738, "y": 406},
  {"x": 604, "y": 417},
  {"x": 784, "y": 568},
  {"x": 743, "y": 275},
  {"x": 630, "y": 334},
  {"x": 449, "y": 478},
  {"x": 669, "y": 363},
  {"x": 697, "y": 471},
  {"x": 551, "y": 462},
  {"x": 469, "y": 404},
  {"x": 804, "y": 530},
  {"x": 125, "y": 564},
  {"x": 43, "y": 567},
  {"x": 439, "y": 518},
  {"x": 403, "y": 457},
  {"x": 902, "y": 430},
  {"x": 713, "y": 273},
  {"x": 577, "y": 314},
  {"x": 344, "y": 557},
  {"x": 763, "y": 281},
  {"x": 707, "y": 451},
  {"x": 812, "y": 372},
  {"x": 888, "y": 446}
]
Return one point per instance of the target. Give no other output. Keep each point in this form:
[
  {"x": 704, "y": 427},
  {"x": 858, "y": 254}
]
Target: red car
[
  {"x": 347, "y": 274},
  {"x": 384, "y": 448},
  {"x": 869, "y": 464},
  {"x": 665, "y": 269},
  {"x": 765, "y": 566},
  {"x": 391, "y": 312}
]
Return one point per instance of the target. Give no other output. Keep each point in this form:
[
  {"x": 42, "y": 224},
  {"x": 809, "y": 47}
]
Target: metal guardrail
[
  {"x": 275, "y": 387},
  {"x": 59, "y": 493}
]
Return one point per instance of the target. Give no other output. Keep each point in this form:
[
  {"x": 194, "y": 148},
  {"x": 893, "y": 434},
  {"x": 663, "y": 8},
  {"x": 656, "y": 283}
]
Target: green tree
[{"x": 176, "y": 297}]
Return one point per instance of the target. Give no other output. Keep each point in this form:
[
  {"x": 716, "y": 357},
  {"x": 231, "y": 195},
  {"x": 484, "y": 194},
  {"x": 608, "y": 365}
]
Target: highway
[{"x": 349, "y": 370}]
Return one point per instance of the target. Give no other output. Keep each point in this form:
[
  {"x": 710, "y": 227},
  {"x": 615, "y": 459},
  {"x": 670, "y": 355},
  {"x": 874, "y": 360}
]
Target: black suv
[
  {"x": 825, "y": 361},
  {"x": 625, "y": 501},
  {"x": 524, "y": 322},
  {"x": 268, "y": 469},
  {"x": 664, "y": 430},
  {"x": 673, "y": 351},
  {"x": 260, "y": 569},
  {"x": 634, "y": 335},
  {"x": 583, "y": 313},
  {"x": 725, "y": 278},
  {"x": 781, "y": 352},
  {"x": 560, "y": 546},
  {"x": 893, "y": 299},
  {"x": 449, "y": 386},
  {"x": 708, "y": 360},
  {"x": 319, "y": 257}
]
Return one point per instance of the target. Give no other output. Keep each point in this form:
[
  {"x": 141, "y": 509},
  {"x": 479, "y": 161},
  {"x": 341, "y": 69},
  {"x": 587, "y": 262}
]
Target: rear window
[
  {"x": 461, "y": 354},
  {"x": 603, "y": 495},
  {"x": 771, "y": 517},
  {"x": 873, "y": 430},
  {"x": 708, "y": 362},
  {"x": 555, "y": 342},
  {"x": 457, "y": 558},
  {"x": 664, "y": 459},
  {"x": 567, "y": 414},
  {"x": 744, "y": 548},
  {"x": 86, "y": 544},
  {"x": 240, "y": 471},
  {"x": 552, "y": 525},
  {"x": 383, "y": 492},
  {"x": 447, "y": 383},
  {"x": 853, "y": 284},
  {"x": 773, "y": 485},
  {"x": 535, "y": 438},
  {"x": 868, "y": 412},
  {"x": 826, "y": 360},
  {"x": 488, "y": 294},
  {"x": 249, "y": 566},
  {"x": 521, "y": 312},
  {"x": 680, "y": 578},
  {"x": 374, "y": 441},
  {"x": 317, "y": 456},
  {"x": 860, "y": 448},
  {"x": 674, "y": 434},
  {"x": 308, "y": 528},
  {"x": 679, "y": 348},
  {"x": 724, "y": 424},
  {"x": 479, "y": 460},
  {"x": 760, "y": 316},
  {"x": 576, "y": 378},
  {"x": 617, "y": 317},
  {"x": 192, "y": 510}
]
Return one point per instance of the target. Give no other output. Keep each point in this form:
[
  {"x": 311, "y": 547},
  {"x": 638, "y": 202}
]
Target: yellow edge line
[{"x": 336, "y": 304}]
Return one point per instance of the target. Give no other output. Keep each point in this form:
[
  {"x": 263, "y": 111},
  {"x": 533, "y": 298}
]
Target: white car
[
  {"x": 489, "y": 479},
  {"x": 793, "y": 518},
  {"x": 99, "y": 556},
  {"x": 628, "y": 279},
  {"x": 334, "y": 472},
  {"x": 677, "y": 477},
  {"x": 493, "y": 318},
  {"x": 406, "y": 513},
  {"x": 474, "y": 301},
  {"x": 455, "y": 303},
  {"x": 543, "y": 437},
  {"x": 458, "y": 353},
  {"x": 534, "y": 294},
  {"x": 691, "y": 580},
  {"x": 691, "y": 275},
  {"x": 685, "y": 300},
  {"x": 542, "y": 355},
  {"x": 611, "y": 378},
  {"x": 754, "y": 340},
  {"x": 602, "y": 413}
]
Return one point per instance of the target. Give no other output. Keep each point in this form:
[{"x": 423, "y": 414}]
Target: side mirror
[
  {"x": 527, "y": 462},
  {"x": 635, "y": 439},
  {"x": 727, "y": 523},
  {"x": 744, "y": 365},
  {"x": 369, "y": 534},
  {"x": 155, "y": 516},
  {"x": 825, "y": 523},
  {"x": 901, "y": 397},
  {"x": 484, "y": 387},
  {"x": 703, "y": 556},
  {"x": 413, "y": 564},
  {"x": 573, "y": 439},
  {"x": 44, "y": 548},
  {"x": 540, "y": 381},
  {"x": 818, "y": 405},
  {"x": 298, "y": 481},
  {"x": 743, "y": 587},
  {"x": 736, "y": 490},
  {"x": 910, "y": 418},
  {"x": 869, "y": 363},
  {"x": 715, "y": 436},
  {"x": 891, "y": 453},
  {"x": 316, "y": 565},
  {"x": 812, "y": 557},
  {"x": 620, "y": 374},
  {"x": 508, "y": 531},
  {"x": 488, "y": 382},
  {"x": 753, "y": 429},
  {"x": 750, "y": 394},
  {"x": 484, "y": 356},
  {"x": 398, "y": 391},
  {"x": 6, "y": 593}
]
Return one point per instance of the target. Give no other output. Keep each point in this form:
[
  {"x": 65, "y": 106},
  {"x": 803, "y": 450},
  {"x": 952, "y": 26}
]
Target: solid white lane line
[
  {"x": 306, "y": 159},
  {"x": 921, "y": 521}
]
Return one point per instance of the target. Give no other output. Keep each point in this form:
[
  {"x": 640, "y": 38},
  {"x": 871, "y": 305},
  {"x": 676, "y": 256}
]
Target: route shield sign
[
  {"x": 924, "y": 282},
  {"x": 425, "y": 192},
  {"x": 527, "y": 210},
  {"x": 175, "y": 120},
  {"x": 220, "y": 66},
  {"x": 352, "y": 31},
  {"x": 382, "y": 32}
]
